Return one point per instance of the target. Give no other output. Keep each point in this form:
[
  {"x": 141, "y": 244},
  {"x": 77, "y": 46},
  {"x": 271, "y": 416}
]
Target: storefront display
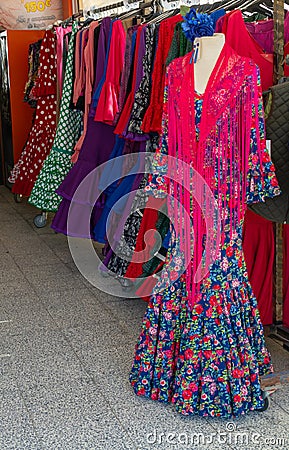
[{"x": 164, "y": 87}]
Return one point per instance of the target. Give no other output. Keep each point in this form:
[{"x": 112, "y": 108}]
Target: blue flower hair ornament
[{"x": 197, "y": 25}]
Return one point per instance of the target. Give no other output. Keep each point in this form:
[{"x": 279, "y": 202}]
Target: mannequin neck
[{"x": 209, "y": 49}]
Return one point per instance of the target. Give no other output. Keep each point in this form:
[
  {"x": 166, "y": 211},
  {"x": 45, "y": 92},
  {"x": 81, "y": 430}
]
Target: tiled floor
[{"x": 65, "y": 355}]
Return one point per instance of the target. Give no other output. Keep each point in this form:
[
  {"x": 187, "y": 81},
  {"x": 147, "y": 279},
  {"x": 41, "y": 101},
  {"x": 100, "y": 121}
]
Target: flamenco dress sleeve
[
  {"x": 261, "y": 178},
  {"x": 153, "y": 117},
  {"x": 107, "y": 106},
  {"x": 258, "y": 236}
]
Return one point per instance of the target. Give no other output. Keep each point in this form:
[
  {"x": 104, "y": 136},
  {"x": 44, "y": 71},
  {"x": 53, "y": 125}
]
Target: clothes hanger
[
  {"x": 159, "y": 17},
  {"x": 257, "y": 6},
  {"x": 227, "y": 5},
  {"x": 155, "y": 12},
  {"x": 164, "y": 12},
  {"x": 221, "y": 5}
]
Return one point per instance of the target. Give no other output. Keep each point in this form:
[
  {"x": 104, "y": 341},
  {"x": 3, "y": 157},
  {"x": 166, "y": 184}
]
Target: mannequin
[
  {"x": 202, "y": 344},
  {"x": 207, "y": 50}
]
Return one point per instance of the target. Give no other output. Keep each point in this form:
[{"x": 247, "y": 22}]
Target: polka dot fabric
[
  {"x": 58, "y": 163},
  {"x": 41, "y": 136}
]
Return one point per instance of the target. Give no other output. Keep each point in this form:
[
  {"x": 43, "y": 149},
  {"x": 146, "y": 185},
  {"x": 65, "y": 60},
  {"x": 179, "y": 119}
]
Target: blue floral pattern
[{"x": 208, "y": 360}]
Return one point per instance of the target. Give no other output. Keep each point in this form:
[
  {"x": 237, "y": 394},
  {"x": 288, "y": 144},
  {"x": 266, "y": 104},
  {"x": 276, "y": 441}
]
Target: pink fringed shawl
[{"x": 212, "y": 165}]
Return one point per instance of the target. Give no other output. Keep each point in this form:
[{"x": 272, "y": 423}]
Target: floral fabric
[{"x": 207, "y": 358}]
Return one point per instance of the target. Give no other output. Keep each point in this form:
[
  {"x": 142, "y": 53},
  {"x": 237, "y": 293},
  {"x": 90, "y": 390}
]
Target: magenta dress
[{"x": 202, "y": 344}]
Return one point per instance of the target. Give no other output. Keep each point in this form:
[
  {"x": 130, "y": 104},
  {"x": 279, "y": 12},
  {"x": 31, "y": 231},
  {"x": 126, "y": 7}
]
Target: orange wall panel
[
  {"x": 67, "y": 8},
  {"x": 21, "y": 113}
]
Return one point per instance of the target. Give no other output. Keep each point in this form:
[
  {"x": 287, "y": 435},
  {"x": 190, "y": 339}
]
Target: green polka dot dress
[{"x": 58, "y": 163}]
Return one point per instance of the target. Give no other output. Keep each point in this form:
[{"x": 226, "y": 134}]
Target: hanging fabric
[{"x": 40, "y": 139}]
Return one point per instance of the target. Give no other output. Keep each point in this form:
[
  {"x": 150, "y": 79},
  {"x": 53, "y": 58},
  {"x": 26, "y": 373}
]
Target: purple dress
[{"x": 96, "y": 149}]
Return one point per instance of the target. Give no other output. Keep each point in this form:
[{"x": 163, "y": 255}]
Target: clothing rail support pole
[{"x": 278, "y": 73}]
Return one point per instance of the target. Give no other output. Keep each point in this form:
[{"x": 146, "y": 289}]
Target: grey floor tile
[
  {"x": 45, "y": 231},
  {"x": 17, "y": 228},
  {"x": 67, "y": 355},
  {"x": 6, "y": 192},
  {"x": 110, "y": 288},
  {"x": 74, "y": 415},
  {"x": 255, "y": 429},
  {"x": 130, "y": 309},
  {"x": 280, "y": 357},
  {"x": 8, "y": 269},
  {"x": 27, "y": 312},
  {"x": 54, "y": 277},
  {"x": 3, "y": 193},
  {"x": 157, "y": 426},
  {"x": 42, "y": 257},
  {"x": 3, "y": 248},
  {"x": 63, "y": 255},
  {"x": 152, "y": 423},
  {"x": 280, "y": 398},
  {"x": 51, "y": 270},
  {"x": 3, "y": 314},
  {"x": 57, "y": 284},
  {"x": 24, "y": 208},
  {"x": 59, "y": 246},
  {"x": 55, "y": 240},
  {"x": 26, "y": 245},
  {"x": 72, "y": 309},
  {"x": 8, "y": 216},
  {"x": 98, "y": 338},
  {"x": 15, "y": 288},
  {"x": 41, "y": 356},
  {"x": 6, "y": 349},
  {"x": 130, "y": 314},
  {"x": 17, "y": 428}
]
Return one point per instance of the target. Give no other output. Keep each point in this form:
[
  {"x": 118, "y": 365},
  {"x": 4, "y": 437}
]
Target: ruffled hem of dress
[
  {"x": 180, "y": 358},
  {"x": 82, "y": 219},
  {"x": 23, "y": 187},
  {"x": 51, "y": 207},
  {"x": 54, "y": 170},
  {"x": 64, "y": 232},
  {"x": 42, "y": 91},
  {"x": 74, "y": 178},
  {"x": 32, "y": 151},
  {"x": 14, "y": 173},
  {"x": 151, "y": 121}
]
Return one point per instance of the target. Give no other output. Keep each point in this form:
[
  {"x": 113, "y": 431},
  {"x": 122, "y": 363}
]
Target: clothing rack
[
  {"x": 278, "y": 73},
  {"x": 278, "y": 15},
  {"x": 70, "y": 19},
  {"x": 126, "y": 5},
  {"x": 281, "y": 331}
]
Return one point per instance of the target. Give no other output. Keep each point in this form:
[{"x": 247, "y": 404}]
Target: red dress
[
  {"x": 239, "y": 38},
  {"x": 258, "y": 246},
  {"x": 107, "y": 106},
  {"x": 143, "y": 246},
  {"x": 126, "y": 112},
  {"x": 42, "y": 133},
  {"x": 153, "y": 117}
]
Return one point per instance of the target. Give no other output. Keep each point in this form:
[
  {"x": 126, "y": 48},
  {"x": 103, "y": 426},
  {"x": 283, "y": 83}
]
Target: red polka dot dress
[{"x": 41, "y": 136}]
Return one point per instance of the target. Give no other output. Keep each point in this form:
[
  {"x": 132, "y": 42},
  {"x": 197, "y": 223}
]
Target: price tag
[{"x": 32, "y": 7}]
